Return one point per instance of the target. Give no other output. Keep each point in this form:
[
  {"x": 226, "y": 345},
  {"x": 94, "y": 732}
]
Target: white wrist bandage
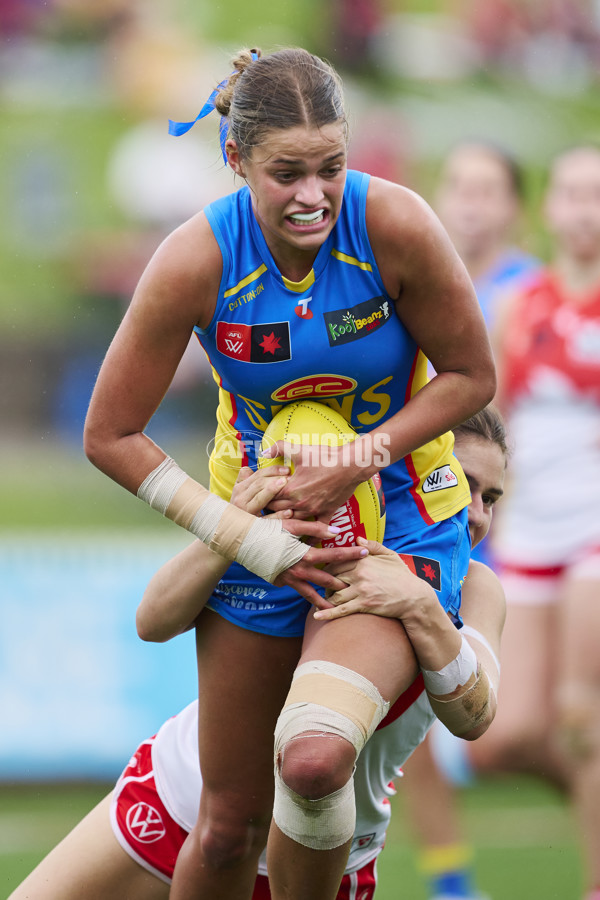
[
  {"x": 457, "y": 673},
  {"x": 261, "y": 545}
]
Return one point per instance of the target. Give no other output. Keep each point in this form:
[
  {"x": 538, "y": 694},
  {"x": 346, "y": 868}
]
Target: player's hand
[
  {"x": 301, "y": 574},
  {"x": 380, "y": 584},
  {"x": 323, "y": 478},
  {"x": 254, "y": 491}
]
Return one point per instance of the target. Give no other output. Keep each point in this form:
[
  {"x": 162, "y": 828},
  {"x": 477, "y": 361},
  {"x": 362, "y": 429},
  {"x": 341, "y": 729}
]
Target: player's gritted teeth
[{"x": 306, "y": 220}]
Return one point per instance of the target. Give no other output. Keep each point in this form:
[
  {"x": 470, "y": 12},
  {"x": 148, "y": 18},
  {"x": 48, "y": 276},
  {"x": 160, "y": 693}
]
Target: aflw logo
[
  {"x": 440, "y": 479},
  {"x": 234, "y": 346}
]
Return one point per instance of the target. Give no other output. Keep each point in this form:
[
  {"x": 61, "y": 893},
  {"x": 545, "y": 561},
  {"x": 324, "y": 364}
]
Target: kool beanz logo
[{"x": 350, "y": 324}]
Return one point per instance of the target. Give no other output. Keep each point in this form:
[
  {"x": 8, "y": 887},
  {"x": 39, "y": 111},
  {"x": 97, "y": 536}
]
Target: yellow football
[{"x": 309, "y": 423}]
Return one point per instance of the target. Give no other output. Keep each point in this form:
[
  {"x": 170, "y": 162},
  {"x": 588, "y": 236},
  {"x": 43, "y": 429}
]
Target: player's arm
[
  {"x": 177, "y": 593},
  {"x": 460, "y": 671},
  {"x": 177, "y": 291}
]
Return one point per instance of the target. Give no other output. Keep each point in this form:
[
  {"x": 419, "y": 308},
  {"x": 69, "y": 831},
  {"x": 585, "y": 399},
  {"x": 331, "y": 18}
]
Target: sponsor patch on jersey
[
  {"x": 423, "y": 567},
  {"x": 302, "y": 309},
  {"x": 315, "y": 386},
  {"x": 439, "y": 480},
  {"x": 354, "y": 322},
  {"x": 265, "y": 343}
]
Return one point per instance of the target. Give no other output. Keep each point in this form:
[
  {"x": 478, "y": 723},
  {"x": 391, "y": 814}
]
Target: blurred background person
[
  {"x": 547, "y": 541},
  {"x": 479, "y": 199}
]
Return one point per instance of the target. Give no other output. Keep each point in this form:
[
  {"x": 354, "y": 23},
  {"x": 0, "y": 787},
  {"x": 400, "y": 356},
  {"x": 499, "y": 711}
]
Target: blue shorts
[{"x": 437, "y": 553}]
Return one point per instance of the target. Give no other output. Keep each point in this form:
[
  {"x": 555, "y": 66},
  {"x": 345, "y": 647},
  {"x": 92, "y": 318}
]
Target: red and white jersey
[
  {"x": 178, "y": 780},
  {"x": 551, "y": 365}
]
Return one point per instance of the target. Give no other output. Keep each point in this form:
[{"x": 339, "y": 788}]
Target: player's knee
[
  {"x": 315, "y": 765},
  {"x": 225, "y": 848},
  {"x": 329, "y": 714},
  {"x": 225, "y": 841}
]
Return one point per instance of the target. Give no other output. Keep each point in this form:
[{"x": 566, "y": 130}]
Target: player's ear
[{"x": 234, "y": 159}]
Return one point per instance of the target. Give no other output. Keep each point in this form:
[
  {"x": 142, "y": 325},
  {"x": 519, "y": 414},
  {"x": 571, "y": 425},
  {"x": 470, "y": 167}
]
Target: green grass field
[{"x": 523, "y": 834}]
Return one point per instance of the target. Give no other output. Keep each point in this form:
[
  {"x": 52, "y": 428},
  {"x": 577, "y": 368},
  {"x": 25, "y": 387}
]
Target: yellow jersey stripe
[
  {"x": 351, "y": 260},
  {"x": 246, "y": 281},
  {"x": 300, "y": 286}
]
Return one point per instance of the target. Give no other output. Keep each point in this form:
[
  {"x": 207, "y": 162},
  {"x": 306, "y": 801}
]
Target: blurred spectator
[
  {"x": 553, "y": 44},
  {"x": 480, "y": 202},
  {"x": 548, "y": 535},
  {"x": 355, "y": 26}
]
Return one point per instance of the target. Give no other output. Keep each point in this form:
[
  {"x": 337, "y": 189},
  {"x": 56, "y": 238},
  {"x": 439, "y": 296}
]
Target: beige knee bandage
[
  {"x": 330, "y": 699},
  {"x": 259, "y": 544}
]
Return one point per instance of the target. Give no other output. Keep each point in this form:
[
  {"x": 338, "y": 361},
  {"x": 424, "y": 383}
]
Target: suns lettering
[
  {"x": 322, "y": 390},
  {"x": 252, "y": 411},
  {"x": 341, "y": 519},
  {"x": 382, "y": 401},
  {"x": 344, "y": 407}
]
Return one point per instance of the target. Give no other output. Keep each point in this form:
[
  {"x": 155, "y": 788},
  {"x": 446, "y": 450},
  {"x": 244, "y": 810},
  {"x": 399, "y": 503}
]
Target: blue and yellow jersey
[{"x": 333, "y": 337}]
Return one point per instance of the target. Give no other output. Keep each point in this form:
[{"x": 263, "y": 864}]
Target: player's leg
[
  {"x": 350, "y": 672},
  {"x": 578, "y": 701},
  {"x": 90, "y": 863},
  {"x": 369, "y": 662},
  {"x": 244, "y": 678}
]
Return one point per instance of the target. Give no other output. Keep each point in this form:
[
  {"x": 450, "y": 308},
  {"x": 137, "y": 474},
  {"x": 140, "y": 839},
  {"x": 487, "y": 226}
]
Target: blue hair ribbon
[{"x": 178, "y": 128}]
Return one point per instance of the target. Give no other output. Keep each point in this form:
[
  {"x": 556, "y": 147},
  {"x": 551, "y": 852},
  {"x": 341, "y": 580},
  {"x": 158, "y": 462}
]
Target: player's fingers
[
  {"x": 326, "y": 555},
  {"x": 312, "y": 529},
  {"x": 279, "y": 505},
  {"x": 342, "y": 568},
  {"x": 345, "y": 595},
  {"x": 375, "y": 548},
  {"x": 285, "y": 449},
  {"x": 258, "y": 496},
  {"x": 337, "y": 612},
  {"x": 306, "y": 572},
  {"x": 244, "y": 473},
  {"x": 305, "y": 590}
]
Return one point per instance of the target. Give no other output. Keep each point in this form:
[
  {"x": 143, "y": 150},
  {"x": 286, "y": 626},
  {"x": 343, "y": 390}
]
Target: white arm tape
[
  {"x": 161, "y": 485},
  {"x": 455, "y": 674},
  {"x": 469, "y": 631},
  {"x": 266, "y": 549}
]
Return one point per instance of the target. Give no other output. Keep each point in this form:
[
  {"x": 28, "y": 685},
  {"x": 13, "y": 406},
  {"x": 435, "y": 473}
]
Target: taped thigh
[{"x": 326, "y": 697}]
